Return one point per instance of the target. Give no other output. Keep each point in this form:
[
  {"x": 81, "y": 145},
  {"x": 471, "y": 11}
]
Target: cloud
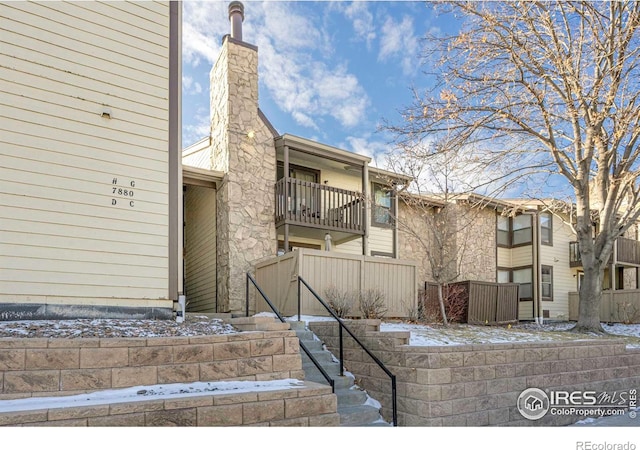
[
  {"x": 203, "y": 25},
  {"x": 398, "y": 42},
  {"x": 199, "y": 127},
  {"x": 190, "y": 87},
  {"x": 364, "y": 145},
  {"x": 295, "y": 56},
  {"x": 362, "y": 20}
]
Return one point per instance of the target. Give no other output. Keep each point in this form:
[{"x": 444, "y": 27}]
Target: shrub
[
  {"x": 341, "y": 302},
  {"x": 372, "y": 304},
  {"x": 455, "y": 303}
]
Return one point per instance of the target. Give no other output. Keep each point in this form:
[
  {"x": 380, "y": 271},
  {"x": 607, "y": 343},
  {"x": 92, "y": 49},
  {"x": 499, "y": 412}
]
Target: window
[
  {"x": 524, "y": 278},
  {"x": 514, "y": 231},
  {"x": 546, "y": 227},
  {"x": 521, "y": 230},
  {"x": 547, "y": 283},
  {"x": 504, "y": 276},
  {"x": 381, "y": 216},
  {"x": 503, "y": 231}
]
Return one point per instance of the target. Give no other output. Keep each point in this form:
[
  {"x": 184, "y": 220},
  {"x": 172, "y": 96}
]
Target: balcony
[
  {"x": 626, "y": 252},
  {"x": 315, "y": 205}
]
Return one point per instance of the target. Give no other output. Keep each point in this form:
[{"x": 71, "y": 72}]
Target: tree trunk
[
  {"x": 590, "y": 296},
  {"x": 442, "y": 309}
]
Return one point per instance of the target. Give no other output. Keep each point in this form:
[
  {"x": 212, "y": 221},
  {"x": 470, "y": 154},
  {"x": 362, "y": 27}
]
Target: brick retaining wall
[
  {"x": 477, "y": 385},
  {"x": 311, "y": 405},
  {"x": 33, "y": 367},
  {"x": 39, "y": 367}
]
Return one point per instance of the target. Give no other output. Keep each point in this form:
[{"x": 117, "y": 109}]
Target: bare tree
[
  {"x": 436, "y": 213},
  {"x": 547, "y": 86}
]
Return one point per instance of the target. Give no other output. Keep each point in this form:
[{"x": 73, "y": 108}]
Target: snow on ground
[
  {"x": 460, "y": 334},
  {"x": 84, "y": 328},
  {"x": 145, "y": 393}
]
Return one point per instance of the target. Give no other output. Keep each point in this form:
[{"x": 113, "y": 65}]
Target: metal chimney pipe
[{"x": 236, "y": 16}]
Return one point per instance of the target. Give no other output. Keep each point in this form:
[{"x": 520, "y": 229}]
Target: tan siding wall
[
  {"x": 353, "y": 247},
  {"x": 63, "y": 64},
  {"x": 564, "y": 280},
  {"x": 381, "y": 240},
  {"x": 521, "y": 256},
  {"x": 200, "y": 248},
  {"x": 504, "y": 257}
]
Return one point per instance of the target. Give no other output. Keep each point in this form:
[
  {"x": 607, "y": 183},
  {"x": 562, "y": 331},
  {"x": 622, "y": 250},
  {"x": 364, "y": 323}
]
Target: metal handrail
[
  {"x": 342, "y": 325},
  {"x": 277, "y": 313}
]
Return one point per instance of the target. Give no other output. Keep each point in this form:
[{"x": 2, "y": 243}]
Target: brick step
[{"x": 258, "y": 324}]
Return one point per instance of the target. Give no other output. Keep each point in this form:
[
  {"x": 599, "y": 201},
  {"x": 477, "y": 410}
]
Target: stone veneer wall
[
  {"x": 478, "y": 385},
  {"x": 43, "y": 367},
  {"x": 243, "y": 148},
  {"x": 312, "y": 405},
  {"x": 474, "y": 241},
  {"x": 477, "y": 238},
  {"x": 411, "y": 224}
]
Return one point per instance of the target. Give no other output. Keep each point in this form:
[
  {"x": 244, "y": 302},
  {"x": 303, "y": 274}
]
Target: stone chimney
[
  {"x": 242, "y": 147},
  {"x": 236, "y": 16}
]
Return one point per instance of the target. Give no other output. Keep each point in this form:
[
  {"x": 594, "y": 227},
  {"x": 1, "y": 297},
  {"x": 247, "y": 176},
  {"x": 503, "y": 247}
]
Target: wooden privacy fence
[
  {"x": 484, "y": 302},
  {"x": 395, "y": 279},
  {"x": 616, "y": 306}
]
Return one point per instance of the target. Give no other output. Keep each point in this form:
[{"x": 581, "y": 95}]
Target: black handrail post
[
  {"x": 298, "y": 299},
  {"x": 247, "y": 296},
  {"x": 341, "y": 325},
  {"x": 341, "y": 352},
  {"x": 302, "y": 346},
  {"x": 394, "y": 401}
]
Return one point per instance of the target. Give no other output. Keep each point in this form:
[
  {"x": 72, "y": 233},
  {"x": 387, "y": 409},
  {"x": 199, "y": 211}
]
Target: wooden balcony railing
[
  {"x": 301, "y": 202},
  {"x": 627, "y": 252}
]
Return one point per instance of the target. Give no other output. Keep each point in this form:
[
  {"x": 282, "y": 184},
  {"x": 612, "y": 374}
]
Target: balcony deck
[
  {"x": 627, "y": 252},
  {"x": 315, "y": 205}
]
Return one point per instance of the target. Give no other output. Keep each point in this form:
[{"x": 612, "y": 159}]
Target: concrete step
[
  {"x": 340, "y": 383},
  {"x": 298, "y": 326},
  {"x": 322, "y": 357},
  {"x": 313, "y": 346},
  {"x": 381, "y": 423},
  {"x": 305, "y": 335},
  {"x": 312, "y": 371},
  {"x": 351, "y": 396},
  {"x": 351, "y": 399},
  {"x": 359, "y": 415}
]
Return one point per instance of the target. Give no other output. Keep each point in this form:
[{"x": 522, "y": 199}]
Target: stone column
[{"x": 243, "y": 148}]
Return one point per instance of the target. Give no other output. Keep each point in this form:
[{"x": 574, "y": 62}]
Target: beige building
[
  {"x": 101, "y": 215},
  {"x": 90, "y": 173}
]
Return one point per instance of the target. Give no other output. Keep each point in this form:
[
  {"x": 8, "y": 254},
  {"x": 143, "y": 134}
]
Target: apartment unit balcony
[
  {"x": 314, "y": 205},
  {"x": 625, "y": 252}
]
